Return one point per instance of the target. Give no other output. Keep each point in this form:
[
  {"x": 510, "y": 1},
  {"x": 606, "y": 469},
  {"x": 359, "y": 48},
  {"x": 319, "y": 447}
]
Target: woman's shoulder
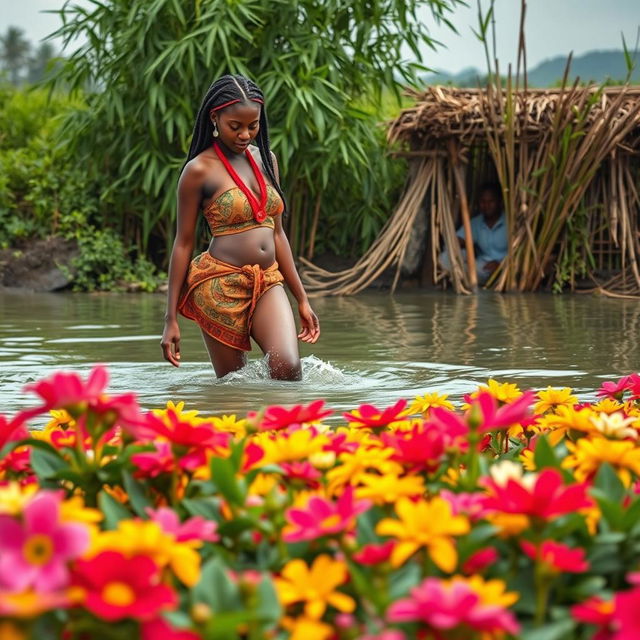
[{"x": 200, "y": 168}]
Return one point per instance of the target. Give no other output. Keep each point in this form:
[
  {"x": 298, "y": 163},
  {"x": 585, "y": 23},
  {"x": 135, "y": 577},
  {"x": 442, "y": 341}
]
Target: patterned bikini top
[
  {"x": 238, "y": 209},
  {"x": 231, "y": 212}
]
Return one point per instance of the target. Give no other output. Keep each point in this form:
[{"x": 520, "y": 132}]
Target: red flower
[
  {"x": 627, "y": 621},
  {"x": 160, "y": 629},
  {"x": 153, "y": 463},
  {"x": 556, "y": 556},
  {"x": 477, "y": 562},
  {"x": 299, "y": 470},
  {"x": 114, "y": 587},
  {"x": 374, "y": 553},
  {"x": 369, "y": 416},
  {"x": 547, "y": 498},
  {"x": 276, "y": 418},
  {"x": 12, "y": 430},
  {"x": 420, "y": 448},
  {"x": 504, "y": 416},
  {"x": 183, "y": 433}
]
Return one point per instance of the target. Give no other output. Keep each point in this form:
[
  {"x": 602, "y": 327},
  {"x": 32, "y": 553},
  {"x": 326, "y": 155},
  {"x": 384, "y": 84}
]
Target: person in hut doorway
[{"x": 489, "y": 231}]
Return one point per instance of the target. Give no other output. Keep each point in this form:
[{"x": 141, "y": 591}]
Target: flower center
[
  {"x": 118, "y": 594},
  {"x": 38, "y": 549},
  {"x": 330, "y": 521}
]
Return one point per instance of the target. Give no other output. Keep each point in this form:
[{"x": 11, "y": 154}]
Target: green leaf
[
  {"x": 559, "y": 630},
  {"x": 216, "y": 588},
  {"x": 268, "y": 609},
  {"x": 224, "y": 476},
  {"x": 136, "y": 493},
  {"x": 544, "y": 455},
  {"x": 608, "y": 482},
  {"x": 113, "y": 511},
  {"x": 46, "y": 464}
]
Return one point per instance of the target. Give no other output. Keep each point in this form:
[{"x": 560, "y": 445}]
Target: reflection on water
[{"x": 374, "y": 347}]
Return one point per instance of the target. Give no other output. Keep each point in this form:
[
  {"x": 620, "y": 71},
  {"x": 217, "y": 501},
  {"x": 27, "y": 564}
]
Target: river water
[{"x": 374, "y": 348}]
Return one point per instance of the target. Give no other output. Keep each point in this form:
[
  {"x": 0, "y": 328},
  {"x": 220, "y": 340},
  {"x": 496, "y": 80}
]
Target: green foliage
[{"x": 316, "y": 62}]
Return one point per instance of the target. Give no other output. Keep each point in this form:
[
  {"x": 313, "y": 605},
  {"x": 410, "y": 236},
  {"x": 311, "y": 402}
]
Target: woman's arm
[
  {"x": 189, "y": 194},
  {"x": 310, "y": 331}
]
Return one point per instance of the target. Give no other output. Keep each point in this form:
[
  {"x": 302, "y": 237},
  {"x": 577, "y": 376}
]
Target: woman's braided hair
[{"x": 227, "y": 90}]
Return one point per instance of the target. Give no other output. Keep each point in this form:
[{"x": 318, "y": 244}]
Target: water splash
[{"x": 315, "y": 371}]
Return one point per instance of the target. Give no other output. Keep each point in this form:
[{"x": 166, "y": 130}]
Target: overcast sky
[{"x": 554, "y": 27}]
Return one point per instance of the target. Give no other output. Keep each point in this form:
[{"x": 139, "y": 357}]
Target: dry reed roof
[{"x": 444, "y": 112}]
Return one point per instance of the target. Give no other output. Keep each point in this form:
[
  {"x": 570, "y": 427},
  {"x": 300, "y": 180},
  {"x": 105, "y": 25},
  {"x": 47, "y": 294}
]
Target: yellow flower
[
  {"x": 59, "y": 418},
  {"x": 262, "y": 484},
  {"x": 607, "y": 405},
  {"x": 230, "y": 424},
  {"x": 10, "y": 631},
  {"x": 509, "y": 524},
  {"x": 424, "y": 404},
  {"x": 389, "y": 487},
  {"x": 563, "y": 420},
  {"x": 145, "y": 537},
  {"x": 527, "y": 459},
  {"x": 429, "y": 524},
  {"x": 304, "y": 628},
  {"x": 502, "y": 392},
  {"x": 615, "y": 425},
  {"x": 296, "y": 445},
  {"x": 73, "y": 510},
  {"x": 491, "y": 592},
  {"x": 361, "y": 460},
  {"x": 589, "y": 453},
  {"x": 178, "y": 409},
  {"x": 315, "y": 586},
  {"x": 551, "y": 398},
  {"x": 14, "y": 497}
]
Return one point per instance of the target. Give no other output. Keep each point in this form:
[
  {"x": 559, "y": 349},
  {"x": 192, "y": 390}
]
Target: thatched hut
[{"x": 568, "y": 162}]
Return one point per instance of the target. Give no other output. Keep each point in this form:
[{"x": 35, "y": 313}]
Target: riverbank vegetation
[
  {"x": 513, "y": 515},
  {"x": 125, "y": 103}
]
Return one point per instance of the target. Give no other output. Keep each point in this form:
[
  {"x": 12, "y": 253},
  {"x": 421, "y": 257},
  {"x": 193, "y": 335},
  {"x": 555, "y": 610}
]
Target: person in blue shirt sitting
[{"x": 489, "y": 231}]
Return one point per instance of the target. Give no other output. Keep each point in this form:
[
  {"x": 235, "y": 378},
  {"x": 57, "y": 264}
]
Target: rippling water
[{"x": 374, "y": 347}]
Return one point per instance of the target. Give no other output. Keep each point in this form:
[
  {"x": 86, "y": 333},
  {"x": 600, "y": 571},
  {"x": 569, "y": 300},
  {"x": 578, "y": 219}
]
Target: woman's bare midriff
[{"x": 255, "y": 246}]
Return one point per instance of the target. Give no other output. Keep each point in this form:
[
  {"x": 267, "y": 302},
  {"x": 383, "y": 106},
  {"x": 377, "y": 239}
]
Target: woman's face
[{"x": 238, "y": 125}]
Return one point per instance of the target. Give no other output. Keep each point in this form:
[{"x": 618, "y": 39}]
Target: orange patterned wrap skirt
[{"x": 222, "y": 297}]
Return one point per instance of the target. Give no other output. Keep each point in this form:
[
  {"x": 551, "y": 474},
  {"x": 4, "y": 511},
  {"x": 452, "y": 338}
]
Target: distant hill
[{"x": 594, "y": 66}]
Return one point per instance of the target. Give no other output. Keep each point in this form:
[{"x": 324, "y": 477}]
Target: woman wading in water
[{"x": 234, "y": 290}]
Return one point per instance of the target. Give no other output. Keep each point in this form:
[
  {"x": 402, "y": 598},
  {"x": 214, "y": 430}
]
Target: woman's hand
[
  {"x": 170, "y": 342},
  {"x": 310, "y": 331}
]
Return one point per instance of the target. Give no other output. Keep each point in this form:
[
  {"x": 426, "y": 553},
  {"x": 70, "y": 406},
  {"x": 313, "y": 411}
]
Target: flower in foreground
[
  {"x": 35, "y": 552},
  {"x": 196, "y": 528},
  {"x": 321, "y": 517},
  {"x": 464, "y": 604},
  {"x": 369, "y": 416},
  {"x": 589, "y": 453},
  {"x": 113, "y": 586},
  {"x": 314, "y": 586},
  {"x": 429, "y": 524},
  {"x": 551, "y": 398},
  {"x": 543, "y": 496},
  {"x": 276, "y": 418},
  {"x": 144, "y": 537}
]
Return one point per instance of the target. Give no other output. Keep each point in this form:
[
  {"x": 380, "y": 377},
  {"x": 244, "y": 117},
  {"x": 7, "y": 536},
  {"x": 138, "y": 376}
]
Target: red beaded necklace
[{"x": 258, "y": 207}]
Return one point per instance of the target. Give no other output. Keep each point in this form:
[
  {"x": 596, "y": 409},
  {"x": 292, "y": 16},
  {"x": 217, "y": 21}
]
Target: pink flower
[
  {"x": 387, "y": 634},
  {"x": 12, "y": 430},
  {"x": 504, "y": 416},
  {"x": 556, "y": 556},
  {"x": 35, "y": 552},
  {"x": 627, "y": 620},
  {"x": 451, "y": 604},
  {"x": 477, "y": 562},
  {"x": 276, "y": 418},
  {"x": 420, "y": 448},
  {"x": 196, "y": 528},
  {"x": 154, "y": 463},
  {"x": 596, "y": 611},
  {"x": 464, "y": 503},
  {"x": 115, "y": 586},
  {"x": 546, "y": 499},
  {"x": 298, "y": 470},
  {"x": 615, "y": 389},
  {"x": 374, "y": 553},
  {"x": 369, "y": 416},
  {"x": 322, "y": 517},
  {"x": 160, "y": 629}
]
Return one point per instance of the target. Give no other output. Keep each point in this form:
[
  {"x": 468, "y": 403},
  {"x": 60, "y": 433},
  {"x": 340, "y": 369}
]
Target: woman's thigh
[
  {"x": 224, "y": 358},
  {"x": 274, "y": 329}
]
